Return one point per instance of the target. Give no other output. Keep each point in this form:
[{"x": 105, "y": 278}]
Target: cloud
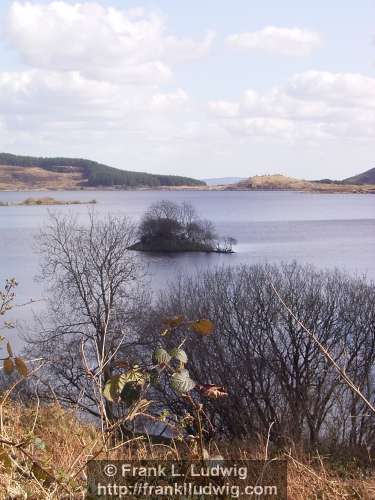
[
  {"x": 169, "y": 101},
  {"x": 274, "y": 40},
  {"x": 37, "y": 98},
  {"x": 312, "y": 105},
  {"x": 94, "y": 73},
  {"x": 100, "y": 42}
]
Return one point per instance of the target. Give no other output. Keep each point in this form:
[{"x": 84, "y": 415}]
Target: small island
[
  {"x": 169, "y": 227},
  {"x": 47, "y": 200}
]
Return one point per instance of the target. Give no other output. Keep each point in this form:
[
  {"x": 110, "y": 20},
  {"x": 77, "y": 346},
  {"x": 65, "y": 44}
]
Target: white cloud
[
  {"x": 37, "y": 98},
  {"x": 274, "y": 40},
  {"x": 168, "y": 102},
  {"x": 95, "y": 74},
  {"x": 312, "y": 105},
  {"x": 100, "y": 42}
]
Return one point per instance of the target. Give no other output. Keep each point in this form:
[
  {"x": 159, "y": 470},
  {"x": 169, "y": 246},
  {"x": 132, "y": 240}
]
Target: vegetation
[
  {"x": 282, "y": 182},
  {"x": 96, "y": 174},
  {"x": 170, "y": 227},
  {"x": 47, "y": 201},
  {"x": 260, "y": 361},
  {"x": 276, "y": 374},
  {"x": 57, "y": 445}
]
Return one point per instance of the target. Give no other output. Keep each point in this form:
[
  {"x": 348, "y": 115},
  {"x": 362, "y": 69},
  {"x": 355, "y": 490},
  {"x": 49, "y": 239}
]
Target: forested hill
[
  {"x": 86, "y": 173},
  {"x": 367, "y": 177}
]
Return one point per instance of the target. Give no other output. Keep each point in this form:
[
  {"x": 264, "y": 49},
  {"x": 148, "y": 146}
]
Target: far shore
[{"x": 319, "y": 188}]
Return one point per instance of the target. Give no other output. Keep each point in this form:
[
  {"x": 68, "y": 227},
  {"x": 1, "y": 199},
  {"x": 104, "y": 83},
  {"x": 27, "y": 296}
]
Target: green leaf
[
  {"x": 161, "y": 356},
  {"x": 154, "y": 376},
  {"x": 181, "y": 382},
  {"x": 8, "y": 366},
  {"x": 131, "y": 392},
  {"x": 180, "y": 355},
  {"x": 114, "y": 386}
]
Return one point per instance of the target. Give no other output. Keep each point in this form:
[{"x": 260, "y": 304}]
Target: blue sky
[{"x": 206, "y": 89}]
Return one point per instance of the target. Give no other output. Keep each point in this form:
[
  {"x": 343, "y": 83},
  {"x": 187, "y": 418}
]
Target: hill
[
  {"x": 282, "y": 182},
  {"x": 367, "y": 177},
  {"x": 27, "y": 172}
]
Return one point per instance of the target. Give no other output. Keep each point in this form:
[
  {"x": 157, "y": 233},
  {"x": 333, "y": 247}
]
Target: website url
[{"x": 144, "y": 489}]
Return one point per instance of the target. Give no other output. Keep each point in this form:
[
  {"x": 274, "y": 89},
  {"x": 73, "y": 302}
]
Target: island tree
[{"x": 171, "y": 227}]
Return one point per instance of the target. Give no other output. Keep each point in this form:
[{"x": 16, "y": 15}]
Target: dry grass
[
  {"x": 56, "y": 446},
  {"x": 35, "y": 178},
  {"x": 52, "y": 201},
  {"x": 282, "y": 182}
]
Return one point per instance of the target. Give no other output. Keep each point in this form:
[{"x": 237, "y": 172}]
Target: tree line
[{"x": 97, "y": 174}]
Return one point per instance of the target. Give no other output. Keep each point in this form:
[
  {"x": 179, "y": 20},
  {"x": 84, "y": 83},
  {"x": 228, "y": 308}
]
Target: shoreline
[{"x": 219, "y": 188}]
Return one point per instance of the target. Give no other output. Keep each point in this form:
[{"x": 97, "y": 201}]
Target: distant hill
[
  {"x": 282, "y": 182},
  {"x": 222, "y": 180},
  {"x": 367, "y": 177},
  {"x": 27, "y": 172}
]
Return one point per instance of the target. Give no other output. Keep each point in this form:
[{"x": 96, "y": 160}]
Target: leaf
[
  {"x": 114, "y": 386},
  {"x": 212, "y": 391},
  {"x": 203, "y": 327},
  {"x": 21, "y": 367},
  {"x": 180, "y": 355},
  {"x": 10, "y": 350},
  {"x": 154, "y": 377},
  {"x": 164, "y": 415},
  {"x": 181, "y": 382},
  {"x": 161, "y": 357},
  {"x": 42, "y": 474},
  {"x": 8, "y": 366},
  {"x": 174, "y": 322},
  {"x": 39, "y": 443},
  {"x": 131, "y": 392},
  {"x": 5, "y": 460}
]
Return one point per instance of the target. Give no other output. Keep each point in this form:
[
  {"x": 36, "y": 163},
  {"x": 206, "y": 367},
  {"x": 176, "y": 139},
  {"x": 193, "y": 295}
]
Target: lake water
[{"x": 322, "y": 229}]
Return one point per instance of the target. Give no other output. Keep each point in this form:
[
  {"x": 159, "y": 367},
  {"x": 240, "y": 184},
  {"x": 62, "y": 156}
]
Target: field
[{"x": 34, "y": 178}]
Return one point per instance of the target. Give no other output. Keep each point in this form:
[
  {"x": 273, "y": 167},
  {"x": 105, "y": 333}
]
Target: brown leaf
[
  {"x": 21, "y": 367},
  {"x": 212, "y": 391},
  {"x": 203, "y": 327},
  {"x": 8, "y": 366}
]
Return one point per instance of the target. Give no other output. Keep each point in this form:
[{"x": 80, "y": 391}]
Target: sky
[{"x": 203, "y": 88}]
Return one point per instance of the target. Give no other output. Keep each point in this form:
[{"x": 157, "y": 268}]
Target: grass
[
  {"x": 56, "y": 447},
  {"x": 282, "y": 182},
  {"x": 31, "y": 202},
  {"x": 52, "y": 201}
]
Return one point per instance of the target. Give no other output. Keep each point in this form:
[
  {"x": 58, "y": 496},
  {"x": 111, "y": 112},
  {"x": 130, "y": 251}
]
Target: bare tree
[
  {"x": 274, "y": 372},
  {"x": 169, "y": 226},
  {"x": 96, "y": 293}
]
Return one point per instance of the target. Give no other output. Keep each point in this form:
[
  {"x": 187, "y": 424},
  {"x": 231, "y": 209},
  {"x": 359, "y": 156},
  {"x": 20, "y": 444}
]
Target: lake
[{"x": 327, "y": 230}]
